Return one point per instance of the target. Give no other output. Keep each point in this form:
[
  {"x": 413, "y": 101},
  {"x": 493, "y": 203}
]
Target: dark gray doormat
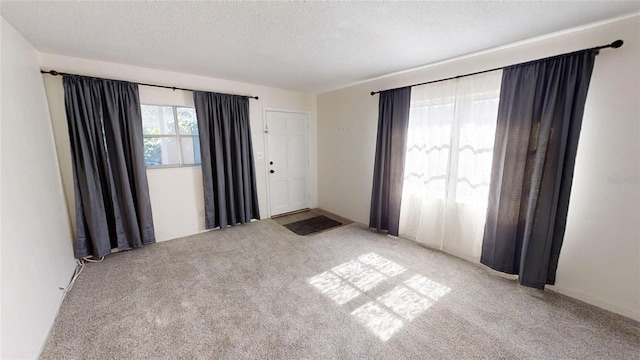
[{"x": 312, "y": 225}]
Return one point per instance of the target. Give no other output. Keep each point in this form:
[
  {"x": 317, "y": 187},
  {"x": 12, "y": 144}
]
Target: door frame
[{"x": 266, "y": 152}]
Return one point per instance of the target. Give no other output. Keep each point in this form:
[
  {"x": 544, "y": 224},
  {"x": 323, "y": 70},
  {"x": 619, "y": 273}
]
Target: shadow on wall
[{"x": 386, "y": 315}]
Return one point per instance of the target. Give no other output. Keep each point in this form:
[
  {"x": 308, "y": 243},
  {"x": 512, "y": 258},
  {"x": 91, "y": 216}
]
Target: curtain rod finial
[
  {"x": 373, "y": 93},
  {"x": 616, "y": 44}
]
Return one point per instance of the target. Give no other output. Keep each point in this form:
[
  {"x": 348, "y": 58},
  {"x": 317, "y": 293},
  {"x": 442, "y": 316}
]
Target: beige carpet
[{"x": 259, "y": 291}]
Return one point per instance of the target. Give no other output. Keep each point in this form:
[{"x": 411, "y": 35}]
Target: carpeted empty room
[
  {"x": 261, "y": 291},
  {"x": 320, "y": 180}
]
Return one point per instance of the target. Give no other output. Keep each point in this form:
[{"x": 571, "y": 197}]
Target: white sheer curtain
[{"x": 448, "y": 164}]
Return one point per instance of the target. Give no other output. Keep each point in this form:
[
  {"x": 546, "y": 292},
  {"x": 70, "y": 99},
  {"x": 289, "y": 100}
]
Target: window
[
  {"x": 447, "y": 172},
  {"x": 450, "y": 139},
  {"x": 170, "y": 135}
]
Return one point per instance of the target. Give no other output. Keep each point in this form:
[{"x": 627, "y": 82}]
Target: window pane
[
  {"x": 190, "y": 150},
  {"x": 475, "y": 149},
  {"x": 161, "y": 151},
  {"x": 428, "y": 149},
  {"x": 157, "y": 120},
  {"x": 187, "y": 120}
]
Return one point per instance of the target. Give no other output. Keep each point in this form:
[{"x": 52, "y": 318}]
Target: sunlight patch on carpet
[
  {"x": 381, "y": 264},
  {"x": 381, "y": 322},
  {"x": 360, "y": 275},
  {"x": 334, "y": 287},
  {"x": 404, "y": 302},
  {"x": 427, "y": 287},
  {"x": 386, "y": 315}
]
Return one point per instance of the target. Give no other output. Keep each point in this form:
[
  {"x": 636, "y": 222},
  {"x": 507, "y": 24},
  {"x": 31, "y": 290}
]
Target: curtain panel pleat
[
  {"x": 113, "y": 208},
  {"x": 228, "y": 171},
  {"x": 386, "y": 194},
  {"x": 539, "y": 119}
]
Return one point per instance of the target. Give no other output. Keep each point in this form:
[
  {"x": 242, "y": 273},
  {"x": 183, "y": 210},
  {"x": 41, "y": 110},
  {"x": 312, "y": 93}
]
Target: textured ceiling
[{"x": 304, "y": 46}]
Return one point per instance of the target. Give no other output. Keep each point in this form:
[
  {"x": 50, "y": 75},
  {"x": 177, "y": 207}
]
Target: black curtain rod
[
  {"x": 57, "y": 73},
  {"x": 616, "y": 44}
]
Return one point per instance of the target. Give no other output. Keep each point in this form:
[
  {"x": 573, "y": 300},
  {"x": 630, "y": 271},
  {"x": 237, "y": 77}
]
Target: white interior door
[{"x": 287, "y": 160}]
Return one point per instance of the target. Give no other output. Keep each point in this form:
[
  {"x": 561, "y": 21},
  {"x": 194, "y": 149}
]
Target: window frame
[{"x": 177, "y": 136}]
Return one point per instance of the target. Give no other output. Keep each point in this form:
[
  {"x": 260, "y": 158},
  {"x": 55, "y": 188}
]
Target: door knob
[{"x": 271, "y": 171}]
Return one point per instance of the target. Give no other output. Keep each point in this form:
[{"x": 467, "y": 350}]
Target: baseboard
[
  {"x": 595, "y": 302},
  {"x": 364, "y": 222},
  {"x": 572, "y": 294},
  {"x": 62, "y": 297}
]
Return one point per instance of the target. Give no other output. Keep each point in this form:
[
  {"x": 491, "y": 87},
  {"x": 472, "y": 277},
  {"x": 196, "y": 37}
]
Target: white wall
[
  {"x": 176, "y": 193},
  {"x": 36, "y": 250},
  {"x": 600, "y": 259}
]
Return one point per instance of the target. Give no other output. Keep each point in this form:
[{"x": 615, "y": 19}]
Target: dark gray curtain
[
  {"x": 386, "y": 196},
  {"x": 228, "y": 171},
  {"x": 113, "y": 209},
  {"x": 539, "y": 120}
]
